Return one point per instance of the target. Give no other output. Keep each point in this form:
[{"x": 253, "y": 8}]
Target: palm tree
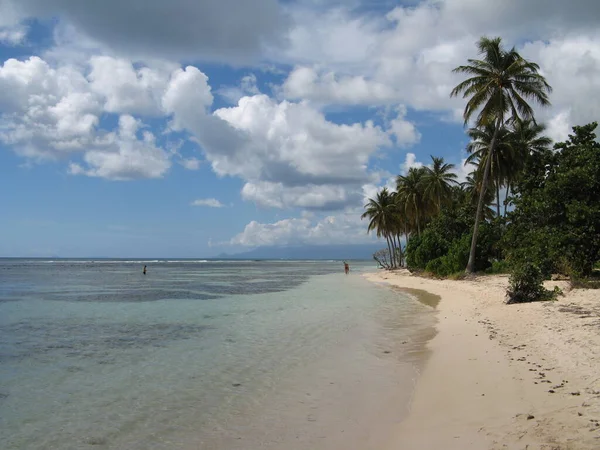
[
  {"x": 498, "y": 86},
  {"x": 381, "y": 213},
  {"x": 409, "y": 189},
  {"x": 437, "y": 182},
  {"x": 472, "y": 187},
  {"x": 526, "y": 138},
  {"x": 504, "y": 159}
]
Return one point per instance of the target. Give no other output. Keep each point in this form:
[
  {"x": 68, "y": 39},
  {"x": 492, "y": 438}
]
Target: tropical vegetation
[{"x": 527, "y": 207}]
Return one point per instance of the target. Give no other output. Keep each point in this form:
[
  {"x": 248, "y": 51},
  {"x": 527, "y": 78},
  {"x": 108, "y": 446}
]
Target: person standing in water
[
  {"x": 346, "y": 268},
  {"x": 144, "y": 271}
]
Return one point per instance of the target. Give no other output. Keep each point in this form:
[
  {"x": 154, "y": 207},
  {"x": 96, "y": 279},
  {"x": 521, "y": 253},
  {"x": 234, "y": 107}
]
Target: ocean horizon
[{"x": 203, "y": 354}]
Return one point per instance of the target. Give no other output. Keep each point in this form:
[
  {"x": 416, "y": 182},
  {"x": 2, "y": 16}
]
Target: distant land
[{"x": 363, "y": 252}]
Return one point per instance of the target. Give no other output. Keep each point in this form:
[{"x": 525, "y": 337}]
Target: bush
[
  {"x": 498, "y": 267},
  {"x": 421, "y": 250},
  {"x": 526, "y": 285}
]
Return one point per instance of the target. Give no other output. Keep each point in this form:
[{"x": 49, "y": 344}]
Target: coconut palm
[
  {"x": 381, "y": 212},
  {"x": 526, "y": 138},
  {"x": 437, "y": 182},
  {"x": 498, "y": 86},
  {"x": 410, "y": 198},
  {"x": 504, "y": 159},
  {"x": 472, "y": 187}
]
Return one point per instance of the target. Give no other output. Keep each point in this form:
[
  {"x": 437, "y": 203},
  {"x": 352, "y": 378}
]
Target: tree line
[{"x": 433, "y": 223}]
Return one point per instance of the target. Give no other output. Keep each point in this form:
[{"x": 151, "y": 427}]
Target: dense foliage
[{"x": 556, "y": 221}]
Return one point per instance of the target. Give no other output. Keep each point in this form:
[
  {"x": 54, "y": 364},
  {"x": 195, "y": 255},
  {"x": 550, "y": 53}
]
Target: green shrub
[
  {"x": 526, "y": 285},
  {"x": 438, "y": 266},
  {"x": 421, "y": 250},
  {"x": 498, "y": 267}
]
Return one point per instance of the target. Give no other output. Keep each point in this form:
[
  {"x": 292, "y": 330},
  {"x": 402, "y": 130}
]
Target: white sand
[{"x": 487, "y": 383}]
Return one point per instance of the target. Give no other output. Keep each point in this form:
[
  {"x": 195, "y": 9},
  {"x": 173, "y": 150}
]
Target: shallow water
[{"x": 203, "y": 355}]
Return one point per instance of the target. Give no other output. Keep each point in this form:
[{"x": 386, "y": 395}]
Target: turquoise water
[{"x": 203, "y": 355}]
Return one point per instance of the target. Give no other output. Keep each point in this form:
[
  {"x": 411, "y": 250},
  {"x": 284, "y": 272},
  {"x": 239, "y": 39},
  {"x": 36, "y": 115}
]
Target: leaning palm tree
[
  {"x": 380, "y": 211},
  {"x": 411, "y": 200},
  {"x": 498, "y": 86},
  {"x": 437, "y": 182}
]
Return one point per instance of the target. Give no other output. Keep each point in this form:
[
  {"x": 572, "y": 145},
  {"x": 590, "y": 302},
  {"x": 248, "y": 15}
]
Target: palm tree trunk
[
  {"x": 417, "y": 217},
  {"x": 401, "y": 253},
  {"x": 498, "y": 195},
  {"x": 390, "y": 251},
  {"x": 506, "y": 198},
  {"x": 484, "y": 182},
  {"x": 395, "y": 251}
]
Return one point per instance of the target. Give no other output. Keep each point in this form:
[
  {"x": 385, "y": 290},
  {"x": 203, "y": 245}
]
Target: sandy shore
[{"x": 505, "y": 376}]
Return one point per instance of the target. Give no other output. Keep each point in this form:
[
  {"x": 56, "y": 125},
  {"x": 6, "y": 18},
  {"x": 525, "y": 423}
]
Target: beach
[{"x": 504, "y": 376}]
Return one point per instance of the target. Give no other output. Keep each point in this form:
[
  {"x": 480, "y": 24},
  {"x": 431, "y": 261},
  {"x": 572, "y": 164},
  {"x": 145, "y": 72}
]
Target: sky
[{"x": 154, "y": 128}]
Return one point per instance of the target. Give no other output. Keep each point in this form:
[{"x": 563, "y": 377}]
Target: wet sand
[{"x": 504, "y": 376}]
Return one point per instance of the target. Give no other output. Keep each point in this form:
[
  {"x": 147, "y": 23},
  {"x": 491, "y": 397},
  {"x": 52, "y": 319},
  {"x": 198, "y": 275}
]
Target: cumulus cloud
[
  {"x": 333, "y": 229},
  {"x": 46, "y": 112},
  {"x": 216, "y": 30},
  {"x": 51, "y": 113},
  {"x": 127, "y": 90},
  {"x": 294, "y": 144},
  {"x": 122, "y": 155},
  {"x": 410, "y": 162},
  {"x": 209, "y": 202},
  {"x": 405, "y": 133}
]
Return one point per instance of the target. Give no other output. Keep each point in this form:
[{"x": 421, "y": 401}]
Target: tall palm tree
[
  {"x": 411, "y": 200},
  {"x": 498, "y": 86},
  {"x": 437, "y": 182},
  {"x": 381, "y": 213}
]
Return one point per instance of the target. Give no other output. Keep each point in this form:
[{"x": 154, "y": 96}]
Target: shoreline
[{"x": 504, "y": 376}]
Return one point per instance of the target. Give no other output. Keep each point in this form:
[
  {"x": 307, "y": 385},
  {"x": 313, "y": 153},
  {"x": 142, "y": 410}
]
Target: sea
[{"x": 204, "y": 354}]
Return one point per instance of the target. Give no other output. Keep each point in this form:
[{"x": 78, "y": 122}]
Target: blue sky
[{"x": 188, "y": 129}]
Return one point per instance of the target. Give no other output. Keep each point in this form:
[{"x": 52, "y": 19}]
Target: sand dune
[{"x": 505, "y": 376}]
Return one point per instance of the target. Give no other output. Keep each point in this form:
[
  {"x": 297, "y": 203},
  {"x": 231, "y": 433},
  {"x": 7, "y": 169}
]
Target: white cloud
[
  {"x": 191, "y": 163},
  {"x": 410, "y": 162},
  {"x": 571, "y": 65},
  {"x": 404, "y": 132},
  {"x": 123, "y": 156},
  {"x": 333, "y": 229},
  {"x": 277, "y": 195},
  {"x": 127, "y": 90},
  {"x": 187, "y": 97},
  {"x": 14, "y": 35},
  {"x": 210, "y": 202},
  {"x": 247, "y": 87},
  {"x": 558, "y": 126},
  {"x": 294, "y": 144},
  {"x": 54, "y": 113},
  {"x": 45, "y": 112},
  {"x": 328, "y": 88}
]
